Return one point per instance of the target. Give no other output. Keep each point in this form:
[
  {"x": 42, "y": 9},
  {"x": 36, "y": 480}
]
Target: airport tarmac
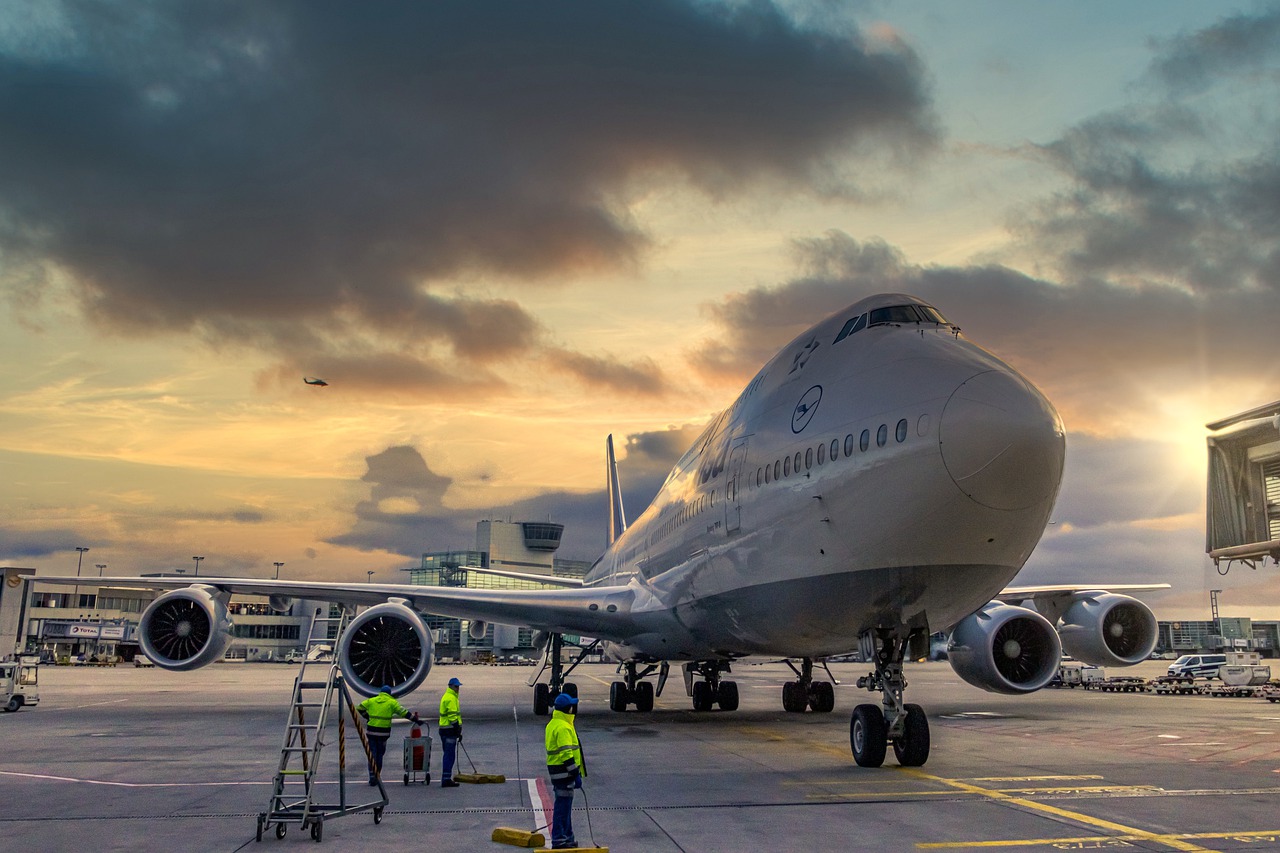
[{"x": 129, "y": 759}]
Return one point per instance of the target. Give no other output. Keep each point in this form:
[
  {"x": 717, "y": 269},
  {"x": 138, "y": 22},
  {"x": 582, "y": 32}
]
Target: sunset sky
[{"x": 501, "y": 231}]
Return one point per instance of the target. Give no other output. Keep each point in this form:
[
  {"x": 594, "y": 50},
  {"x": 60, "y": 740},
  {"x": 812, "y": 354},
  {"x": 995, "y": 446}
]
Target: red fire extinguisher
[{"x": 418, "y": 752}]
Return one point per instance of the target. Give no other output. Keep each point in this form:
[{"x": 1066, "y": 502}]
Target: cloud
[
  {"x": 312, "y": 174},
  {"x": 1243, "y": 43},
  {"x": 640, "y": 377}
]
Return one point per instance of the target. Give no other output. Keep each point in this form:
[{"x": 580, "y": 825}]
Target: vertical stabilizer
[{"x": 617, "y": 515}]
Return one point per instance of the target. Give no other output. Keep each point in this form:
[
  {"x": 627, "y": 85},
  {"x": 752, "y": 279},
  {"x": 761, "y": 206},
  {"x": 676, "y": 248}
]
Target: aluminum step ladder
[{"x": 318, "y": 691}]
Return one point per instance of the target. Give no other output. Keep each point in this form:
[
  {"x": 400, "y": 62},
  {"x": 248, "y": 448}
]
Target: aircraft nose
[{"x": 1002, "y": 442}]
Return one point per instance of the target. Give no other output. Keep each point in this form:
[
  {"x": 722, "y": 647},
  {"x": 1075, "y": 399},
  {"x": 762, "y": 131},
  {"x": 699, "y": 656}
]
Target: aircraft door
[{"x": 733, "y": 488}]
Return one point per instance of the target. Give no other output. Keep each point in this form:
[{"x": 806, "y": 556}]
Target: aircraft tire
[
  {"x": 570, "y": 688},
  {"x": 794, "y": 700},
  {"x": 868, "y": 736},
  {"x": 823, "y": 697},
  {"x": 644, "y": 697},
  {"x": 618, "y": 696},
  {"x": 702, "y": 698},
  {"x": 727, "y": 696},
  {"x": 541, "y": 699},
  {"x": 912, "y": 750}
]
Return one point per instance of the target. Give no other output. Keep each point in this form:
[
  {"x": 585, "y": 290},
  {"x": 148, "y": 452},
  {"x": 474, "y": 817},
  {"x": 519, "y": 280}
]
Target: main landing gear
[
  {"x": 872, "y": 729},
  {"x": 710, "y": 690},
  {"x": 635, "y": 691},
  {"x": 807, "y": 693},
  {"x": 544, "y": 695}
]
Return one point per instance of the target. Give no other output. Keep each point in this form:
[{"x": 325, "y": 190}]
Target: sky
[{"x": 501, "y": 231}]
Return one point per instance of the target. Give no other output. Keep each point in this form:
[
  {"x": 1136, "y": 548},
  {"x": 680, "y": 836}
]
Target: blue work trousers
[
  {"x": 562, "y": 819},
  {"x": 449, "y": 745},
  {"x": 377, "y": 749}
]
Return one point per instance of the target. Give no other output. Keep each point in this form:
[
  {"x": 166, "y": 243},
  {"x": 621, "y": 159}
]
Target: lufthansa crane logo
[{"x": 805, "y": 408}]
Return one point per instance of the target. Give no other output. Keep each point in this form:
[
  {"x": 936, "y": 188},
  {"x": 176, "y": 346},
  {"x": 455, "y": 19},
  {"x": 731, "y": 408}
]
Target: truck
[
  {"x": 19, "y": 682},
  {"x": 1078, "y": 675}
]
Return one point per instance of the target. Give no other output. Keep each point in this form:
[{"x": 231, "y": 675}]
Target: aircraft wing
[
  {"x": 599, "y": 612},
  {"x": 1051, "y": 601}
]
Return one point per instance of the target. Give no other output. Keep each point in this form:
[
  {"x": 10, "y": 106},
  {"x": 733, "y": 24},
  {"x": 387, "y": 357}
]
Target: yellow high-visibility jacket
[
  {"x": 381, "y": 710},
  {"x": 450, "y": 713}
]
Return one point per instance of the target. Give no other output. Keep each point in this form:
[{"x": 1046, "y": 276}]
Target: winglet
[{"x": 617, "y": 515}]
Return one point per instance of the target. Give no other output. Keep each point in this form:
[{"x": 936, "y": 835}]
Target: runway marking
[
  {"x": 133, "y": 784},
  {"x": 1032, "y": 778},
  {"x": 89, "y": 705},
  {"x": 1119, "y": 829},
  {"x": 1094, "y": 842},
  {"x": 539, "y": 795}
]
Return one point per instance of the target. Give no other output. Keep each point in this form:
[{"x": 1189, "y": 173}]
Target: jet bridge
[{"x": 1243, "y": 514}]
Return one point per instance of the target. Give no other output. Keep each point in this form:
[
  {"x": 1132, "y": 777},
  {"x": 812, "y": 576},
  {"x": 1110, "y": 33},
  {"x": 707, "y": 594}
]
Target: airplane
[
  {"x": 313, "y": 381},
  {"x": 881, "y": 478}
]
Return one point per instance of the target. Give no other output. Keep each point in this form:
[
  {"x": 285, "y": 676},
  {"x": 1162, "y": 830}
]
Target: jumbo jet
[{"x": 881, "y": 478}]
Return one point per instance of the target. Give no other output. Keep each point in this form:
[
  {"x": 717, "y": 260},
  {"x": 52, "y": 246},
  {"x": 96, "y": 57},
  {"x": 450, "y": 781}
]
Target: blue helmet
[
  {"x": 564, "y": 702},
  {"x": 453, "y": 682}
]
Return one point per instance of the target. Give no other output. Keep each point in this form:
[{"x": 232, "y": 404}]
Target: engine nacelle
[
  {"x": 185, "y": 628},
  {"x": 476, "y": 630},
  {"x": 1005, "y": 649},
  {"x": 386, "y": 645},
  {"x": 280, "y": 603},
  {"x": 1108, "y": 629}
]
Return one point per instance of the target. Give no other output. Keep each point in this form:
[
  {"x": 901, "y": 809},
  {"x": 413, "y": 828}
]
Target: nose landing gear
[{"x": 872, "y": 729}]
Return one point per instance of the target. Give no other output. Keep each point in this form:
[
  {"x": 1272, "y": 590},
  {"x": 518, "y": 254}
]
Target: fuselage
[{"x": 880, "y": 471}]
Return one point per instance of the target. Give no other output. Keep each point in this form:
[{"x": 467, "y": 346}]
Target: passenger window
[
  {"x": 777, "y": 470},
  {"x": 857, "y": 324},
  {"x": 848, "y": 445},
  {"x": 768, "y": 473},
  {"x": 901, "y": 432},
  {"x": 864, "y": 441},
  {"x": 797, "y": 465},
  {"x": 835, "y": 448},
  {"x": 882, "y": 435},
  {"x": 822, "y": 453},
  {"x": 786, "y": 467}
]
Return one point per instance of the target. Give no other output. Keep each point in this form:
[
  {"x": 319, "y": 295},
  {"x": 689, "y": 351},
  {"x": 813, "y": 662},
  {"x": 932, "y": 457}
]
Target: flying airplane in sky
[
  {"x": 313, "y": 381},
  {"x": 880, "y": 479}
]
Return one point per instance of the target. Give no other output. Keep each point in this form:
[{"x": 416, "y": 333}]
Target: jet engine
[
  {"x": 1005, "y": 649},
  {"x": 185, "y": 628},
  {"x": 1108, "y": 629},
  {"x": 388, "y": 644}
]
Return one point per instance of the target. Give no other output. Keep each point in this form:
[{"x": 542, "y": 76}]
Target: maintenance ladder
[{"x": 294, "y": 796}]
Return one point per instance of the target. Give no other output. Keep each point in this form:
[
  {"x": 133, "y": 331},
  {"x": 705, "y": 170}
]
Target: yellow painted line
[
  {"x": 1030, "y": 778},
  {"x": 1086, "y": 789},
  {"x": 1031, "y": 805},
  {"x": 835, "y": 795},
  {"x": 1247, "y": 837}
]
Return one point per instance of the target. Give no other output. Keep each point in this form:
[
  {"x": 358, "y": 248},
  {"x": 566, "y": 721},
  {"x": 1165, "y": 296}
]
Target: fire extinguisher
[{"x": 419, "y": 754}]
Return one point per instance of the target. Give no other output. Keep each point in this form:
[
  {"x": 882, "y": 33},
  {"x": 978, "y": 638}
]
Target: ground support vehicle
[
  {"x": 1075, "y": 675},
  {"x": 1180, "y": 684},
  {"x": 19, "y": 682},
  {"x": 1119, "y": 684}
]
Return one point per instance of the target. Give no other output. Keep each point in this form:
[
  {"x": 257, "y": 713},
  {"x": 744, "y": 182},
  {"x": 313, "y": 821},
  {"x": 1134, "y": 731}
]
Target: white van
[{"x": 1198, "y": 666}]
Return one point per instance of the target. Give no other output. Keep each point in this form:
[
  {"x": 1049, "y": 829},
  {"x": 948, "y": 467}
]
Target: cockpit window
[
  {"x": 854, "y": 325},
  {"x": 893, "y": 314},
  {"x": 931, "y": 315}
]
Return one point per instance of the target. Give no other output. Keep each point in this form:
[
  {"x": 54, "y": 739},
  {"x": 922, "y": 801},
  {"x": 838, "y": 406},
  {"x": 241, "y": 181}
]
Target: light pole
[
  {"x": 100, "y": 567},
  {"x": 277, "y": 565},
  {"x": 197, "y": 559},
  {"x": 369, "y": 576},
  {"x": 79, "y": 560}
]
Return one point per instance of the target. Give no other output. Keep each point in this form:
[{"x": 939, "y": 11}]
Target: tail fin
[{"x": 617, "y": 515}]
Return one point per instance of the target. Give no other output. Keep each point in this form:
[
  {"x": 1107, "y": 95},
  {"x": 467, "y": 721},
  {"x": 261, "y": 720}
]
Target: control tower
[{"x": 1243, "y": 515}]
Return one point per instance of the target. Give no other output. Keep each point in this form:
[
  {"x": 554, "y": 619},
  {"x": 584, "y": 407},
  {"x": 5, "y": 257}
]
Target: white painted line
[
  {"x": 90, "y": 705},
  {"x": 541, "y": 799},
  {"x": 131, "y": 784}
]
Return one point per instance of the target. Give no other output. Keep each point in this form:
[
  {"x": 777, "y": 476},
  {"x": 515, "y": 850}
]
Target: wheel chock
[
  {"x": 518, "y": 837},
  {"x": 479, "y": 778}
]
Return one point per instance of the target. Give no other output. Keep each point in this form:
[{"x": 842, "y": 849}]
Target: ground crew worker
[
  {"x": 378, "y": 712},
  {"x": 450, "y": 731},
  {"x": 565, "y": 764}
]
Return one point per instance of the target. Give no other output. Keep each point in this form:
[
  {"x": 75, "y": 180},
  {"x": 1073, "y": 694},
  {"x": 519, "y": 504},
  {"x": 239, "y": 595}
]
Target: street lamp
[
  {"x": 197, "y": 559},
  {"x": 369, "y": 576},
  {"x": 79, "y": 560},
  {"x": 100, "y": 567},
  {"x": 277, "y": 565}
]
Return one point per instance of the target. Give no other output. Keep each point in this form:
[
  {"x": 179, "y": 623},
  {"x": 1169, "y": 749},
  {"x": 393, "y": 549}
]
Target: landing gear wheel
[
  {"x": 541, "y": 700},
  {"x": 644, "y": 697},
  {"x": 377, "y": 814},
  {"x": 570, "y": 688},
  {"x": 317, "y": 830},
  {"x": 868, "y": 736},
  {"x": 727, "y": 696},
  {"x": 912, "y": 749},
  {"x": 618, "y": 697},
  {"x": 794, "y": 700},
  {"x": 822, "y": 697},
  {"x": 281, "y": 829},
  {"x": 702, "y": 698}
]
